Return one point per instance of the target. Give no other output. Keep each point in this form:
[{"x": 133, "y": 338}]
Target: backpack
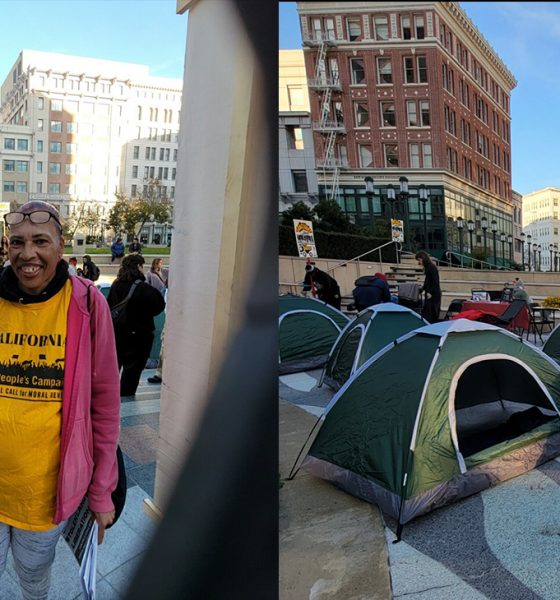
[
  {"x": 118, "y": 312},
  {"x": 95, "y": 272}
]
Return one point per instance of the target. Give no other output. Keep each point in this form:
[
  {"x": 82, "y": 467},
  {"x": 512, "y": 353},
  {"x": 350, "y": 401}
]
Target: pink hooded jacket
[{"x": 90, "y": 405}]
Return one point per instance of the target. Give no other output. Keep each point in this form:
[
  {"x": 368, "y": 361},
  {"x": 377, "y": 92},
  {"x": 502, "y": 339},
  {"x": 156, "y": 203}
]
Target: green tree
[
  {"x": 298, "y": 210},
  {"x": 330, "y": 217}
]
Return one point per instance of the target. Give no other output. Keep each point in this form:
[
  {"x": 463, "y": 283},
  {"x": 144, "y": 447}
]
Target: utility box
[{"x": 79, "y": 243}]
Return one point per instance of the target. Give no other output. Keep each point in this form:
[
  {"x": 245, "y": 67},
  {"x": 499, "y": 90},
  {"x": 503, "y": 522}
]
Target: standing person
[
  {"x": 156, "y": 276},
  {"x": 431, "y": 288},
  {"x": 89, "y": 269},
  {"x": 370, "y": 291},
  {"x": 59, "y": 424},
  {"x": 135, "y": 247},
  {"x": 322, "y": 285},
  {"x": 117, "y": 249},
  {"x": 135, "y": 336}
]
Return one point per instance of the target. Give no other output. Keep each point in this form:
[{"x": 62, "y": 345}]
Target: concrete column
[{"x": 221, "y": 197}]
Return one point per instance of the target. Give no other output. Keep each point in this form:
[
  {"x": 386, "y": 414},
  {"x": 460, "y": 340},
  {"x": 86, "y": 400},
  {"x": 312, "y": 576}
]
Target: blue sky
[
  {"x": 147, "y": 32},
  {"x": 526, "y": 36}
]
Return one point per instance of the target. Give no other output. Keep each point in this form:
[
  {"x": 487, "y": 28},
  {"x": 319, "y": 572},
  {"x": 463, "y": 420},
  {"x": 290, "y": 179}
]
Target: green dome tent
[
  {"x": 446, "y": 411},
  {"x": 552, "y": 344},
  {"x": 307, "y": 330},
  {"x": 374, "y": 328}
]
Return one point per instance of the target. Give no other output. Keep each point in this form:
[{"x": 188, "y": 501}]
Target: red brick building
[{"x": 410, "y": 89}]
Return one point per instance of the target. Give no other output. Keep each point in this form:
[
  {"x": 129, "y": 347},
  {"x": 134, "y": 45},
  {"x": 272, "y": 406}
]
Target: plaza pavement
[
  {"x": 500, "y": 544},
  {"x": 125, "y": 543}
]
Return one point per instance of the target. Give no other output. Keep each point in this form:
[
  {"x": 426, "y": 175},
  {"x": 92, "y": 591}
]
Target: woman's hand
[{"x": 103, "y": 519}]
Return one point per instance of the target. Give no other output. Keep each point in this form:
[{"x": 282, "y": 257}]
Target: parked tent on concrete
[
  {"x": 448, "y": 410},
  {"x": 371, "y": 330},
  {"x": 307, "y": 330}
]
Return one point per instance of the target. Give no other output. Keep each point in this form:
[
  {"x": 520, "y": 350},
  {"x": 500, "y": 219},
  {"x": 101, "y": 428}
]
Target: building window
[
  {"x": 23, "y": 144},
  {"x": 366, "y": 156},
  {"x": 354, "y": 26},
  {"x": 414, "y": 153},
  {"x": 56, "y": 126},
  {"x": 391, "y": 155},
  {"x": 147, "y": 153},
  {"x": 40, "y": 103},
  {"x": 9, "y": 186},
  {"x": 56, "y": 105},
  {"x": 168, "y": 151},
  {"x": 22, "y": 166},
  {"x": 419, "y": 26},
  {"x": 40, "y": 125},
  {"x": 381, "y": 28},
  {"x": 56, "y": 147},
  {"x": 384, "y": 70},
  {"x": 422, "y": 69},
  {"x": 175, "y": 155},
  {"x": 152, "y": 172},
  {"x": 21, "y": 187},
  {"x": 300, "y": 181},
  {"x": 9, "y": 143},
  {"x": 135, "y": 151},
  {"x": 388, "y": 114},
  {"x": 39, "y": 166},
  {"x": 427, "y": 155},
  {"x": 9, "y": 165},
  {"x": 135, "y": 171},
  {"x": 294, "y": 135},
  {"x": 133, "y": 189},
  {"x": 166, "y": 173},
  {"x": 71, "y": 127},
  {"x": 39, "y": 145},
  {"x": 358, "y": 74},
  {"x": 342, "y": 155},
  {"x": 153, "y": 153},
  {"x": 173, "y": 173},
  {"x": 70, "y": 148},
  {"x": 146, "y": 172},
  {"x": 172, "y": 191},
  {"x": 54, "y": 168},
  {"x": 409, "y": 69},
  {"x": 361, "y": 115},
  {"x": 411, "y": 114},
  {"x": 54, "y": 188},
  {"x": 425, "y": 113},
  {"x": 39, "y": 187},
  {"x": 405, "y": 24}
]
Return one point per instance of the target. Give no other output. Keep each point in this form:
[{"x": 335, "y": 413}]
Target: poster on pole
[
  {"x": 304, "y": 239},
  {"x": 397, "y": 230}
]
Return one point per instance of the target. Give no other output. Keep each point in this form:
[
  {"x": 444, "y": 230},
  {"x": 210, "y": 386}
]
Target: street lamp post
[
  {"x": 423, "y": 195},
  {"x": 484, "y": 226},
  {"x": 510, "y": 242},
  {"x": 391, "y": 198},
  {"x": 539, "y": 248},
  {"x": 535, "y": 257},
  {"x": 494, "y": 228},
  {"x": 470, "y": 228},
  {"x": 529, "y": 238},
  {"x": 460, "y": 225},
  {"x": 503, "y": 240},
  {"x": 555, "y": 256},
  {"x": 551, "y": 248},
  {"x": 403, "y": 201},
  {"x": 369, "y": 194},
  {"x": 522, "y": 236}
]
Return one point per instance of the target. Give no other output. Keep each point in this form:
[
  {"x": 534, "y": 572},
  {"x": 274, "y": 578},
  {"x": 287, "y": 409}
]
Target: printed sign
[
  {"x": 304, "y": 239},
  {"x": 397, "y": 230}
]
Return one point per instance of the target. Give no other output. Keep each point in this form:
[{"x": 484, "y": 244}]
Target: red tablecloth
[{"x": 497, "y": 308}]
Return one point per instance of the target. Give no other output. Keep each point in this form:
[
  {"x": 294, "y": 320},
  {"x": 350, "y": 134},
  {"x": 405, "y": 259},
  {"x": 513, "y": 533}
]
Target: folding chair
[
  {"x": 539, "y": 316},
  {"x": 455, "y": 307},
  {"x": 506, "y": 319}
]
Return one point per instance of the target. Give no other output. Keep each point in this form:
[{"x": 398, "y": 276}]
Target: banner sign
[
  {"x": 397, "y": 230},
  {"x": 304, "y": 239}
]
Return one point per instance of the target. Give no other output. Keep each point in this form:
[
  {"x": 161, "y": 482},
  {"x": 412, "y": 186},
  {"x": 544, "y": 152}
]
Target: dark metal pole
[{"x": 495, "y": 253}]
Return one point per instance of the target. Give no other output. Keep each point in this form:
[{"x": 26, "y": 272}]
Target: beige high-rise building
[
  {"x": 541, "y": 225},
  {"x": 99, "y": 127}
]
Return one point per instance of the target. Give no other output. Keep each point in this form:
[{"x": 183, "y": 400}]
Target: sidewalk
[
  {"x": 125, "y": 543},
  {"x": 332, "y": 545}
]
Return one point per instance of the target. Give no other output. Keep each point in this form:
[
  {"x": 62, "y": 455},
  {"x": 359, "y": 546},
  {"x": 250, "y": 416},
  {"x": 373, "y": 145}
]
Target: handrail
[
  {"x": 474, "y": 261},
  {"x": 357, "y": 258}
]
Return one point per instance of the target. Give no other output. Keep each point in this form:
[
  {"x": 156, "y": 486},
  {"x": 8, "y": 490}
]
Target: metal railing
[{"x": 468, "y": 262}]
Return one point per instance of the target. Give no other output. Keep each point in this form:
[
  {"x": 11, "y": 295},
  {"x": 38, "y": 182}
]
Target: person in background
[
  {"x": 431, "y": 288},
  {"x": 59, "y": 423},
  {"x": 519, "y": 292},
  {"x": 3, "y": 250},
  {"x": 73, "y": 266},
  {"x": 156, "y": 276},
  {"x": 117, "y": 249},
  {"x": 135, "y": 336},
  {"x": 89, "y": 269},
  {"x": 321, "y": 285},
  {"x": 370, "y": 291},
  {"x": 135, "y": 247}
]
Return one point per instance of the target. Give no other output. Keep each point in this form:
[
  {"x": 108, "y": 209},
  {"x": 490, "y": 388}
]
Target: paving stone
[{"x": 140, "y": 443}]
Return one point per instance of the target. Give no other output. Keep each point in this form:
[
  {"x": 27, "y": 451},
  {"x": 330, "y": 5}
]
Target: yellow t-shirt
[{"x": 32, "y": 343}]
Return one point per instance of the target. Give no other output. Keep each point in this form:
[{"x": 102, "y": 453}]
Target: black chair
[
  {"x": 506, "y": 319},
  {"x": 454, "y": 308},
  {"x": 539, "y": 317}
]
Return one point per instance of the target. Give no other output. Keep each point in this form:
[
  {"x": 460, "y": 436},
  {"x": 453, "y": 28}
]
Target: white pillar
[{"x": 221, "y": 197}]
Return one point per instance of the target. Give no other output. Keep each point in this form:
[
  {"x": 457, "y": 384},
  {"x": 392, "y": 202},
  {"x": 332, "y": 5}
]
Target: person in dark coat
[
  {"x": 89, "y": 269},
  {"x": 321, "y": 285},
  {"x": 135, "y": 336},
  {"x": 431, "y": 288},
  {"x": 370, "y": 291},
  {"x": 136, "y": 246}
]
